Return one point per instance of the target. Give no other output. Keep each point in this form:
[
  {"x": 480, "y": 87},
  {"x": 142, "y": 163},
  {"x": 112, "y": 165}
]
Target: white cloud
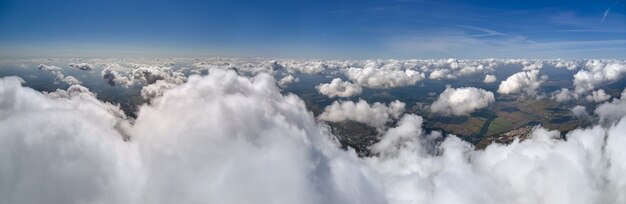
[
  {"x": 56, "y": 71},
  {"x": 216, "y": 139},
  {"x": 287, "y": 80},
  {"x": 610, "y": 112},
  {"x": 490, "y": 79},
  {"x": 156, "y": 89},
  {"x": 383, "y": 78},
  {"x": 461, "y": 101},
  {"x": 441, "y": 74},
  {"x": 81, "y": 66},
  {"x": 598, "y": 96},
  {"x": 580, "y": 112},
  {"x": 527, "y": 82},
  {"x": 224, "y": 138},
  {"x": 597, "y": 73},
  {"x": 563, "y": 95},
  {"x": 375, "y": 115},
  {"x": 339, "y": 88}
]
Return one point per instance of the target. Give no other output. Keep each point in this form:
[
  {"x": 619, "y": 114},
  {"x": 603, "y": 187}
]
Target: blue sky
[{"x": 314, "y": 29}]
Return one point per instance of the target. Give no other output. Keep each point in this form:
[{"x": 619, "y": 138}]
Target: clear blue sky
[{"x": 314, "y": 29}]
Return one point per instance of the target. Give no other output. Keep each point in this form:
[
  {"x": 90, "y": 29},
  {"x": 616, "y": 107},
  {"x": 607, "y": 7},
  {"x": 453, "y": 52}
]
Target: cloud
[
  {"x": 176, "y": 151},
  {"x": 56, "y": 71},
  {"x": 526, "y": 82},
  {"x": 226, "y": 138},
  {"x": 81, "y": 66},
  {"x": 441, "y": 74},
  {"x": 221, "y": 138},
  {"x": 611, "y": 112},
  {"x": 598, "y": 96},
  {"x": 564, "y": 95},
  {"x": 375, "y": 115},
  {"x": 111, "y": 74},
  {"x": 490, "y": 79},
  {"x": 339, "y": 88},
  {"x": 287, "y": 80},
  {"x": 597, "y": 73},
  {"x": 156, "y": 89},
  {"x": 383, "y": 78},
  {"x": 580, "y": 112},
  {"x": 461, "y": 101}
]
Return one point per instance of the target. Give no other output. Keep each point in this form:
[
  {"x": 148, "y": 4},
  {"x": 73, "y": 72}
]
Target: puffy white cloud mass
[
  {"x": 383, "y": 78},
  {"x": 441, "y": 74},
  {"x": 81, "y": 66},
  {"x": 490, "y": 79},
  {"x": 580, "y": 112},
  {"x": 598, "y": 96},
  {"x": 375, "y": 115},
  {"x": 564, "y": 95},
  {"x": 339, "y": 88},
  {"x": 461, "y": 101},
  {"x": 597, "y": 73},
  {"x": 216, "y": 139},
  {"x": 526, "y": 82},
  {"x": 610, "y": 112},
  {"x": 287, "y": 80},
  {"x": 56, "y": 71},
  {"x": 224, "y": 138}
]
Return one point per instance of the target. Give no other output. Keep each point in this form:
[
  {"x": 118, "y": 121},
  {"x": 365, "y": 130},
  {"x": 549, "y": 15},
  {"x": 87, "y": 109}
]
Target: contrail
[{"x": 606, "y": 13}]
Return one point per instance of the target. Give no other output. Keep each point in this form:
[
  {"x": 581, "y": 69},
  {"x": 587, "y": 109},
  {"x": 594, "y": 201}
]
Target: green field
[{"x": 499, "y": 125}]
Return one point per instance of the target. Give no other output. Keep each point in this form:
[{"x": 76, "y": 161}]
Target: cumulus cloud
[
  {"x": 598, "y": 96},
  {"x": 580, "y": 112},
  {"x": 339, "y": 88},
  {"x": 383, "y": 78},
  {"x": 441, "y": 74},
  {"x": 375, "y": 115},
  {"x": 563, "y": 95},
  {"x": 156, "y": 89},
  {"x": 56, "y": 71},
  {"x": 597, "y": 73},
  {"x": 526, "y": 82},
  {"x": 113, "y": 75},
  {"x": 461, "y": 101},
  {"x": 610, "y": 112},
  {"x": 81, "y": 66},
  {"x": 225, "y": 138},
  {"x": 490, "y": 79},
  {"x": 201, "y": 142},
  {"x": 287, "y": 80}
]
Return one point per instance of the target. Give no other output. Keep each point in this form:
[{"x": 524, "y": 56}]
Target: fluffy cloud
[
  {"x": 610, "y": 112},
  {"x": 339, "y": 88},
  {"x": 81, "y": 66},
  {"x": 111, "y": 74},
  {"x": 441, "y": 74},
  {"x": 383, "y": 78},
  {"x": 596, "y": 73},
  {"x": 287, "y": 80},
  {"x": 563, "y": 95},
  {"x": 598, "y": 96},
  {"x": 375, "y": 115},
  {"x": 580, "y": 112},
  {"x": 527, "y": 82},
  {"x": 201, "y": 142},
  {"x": 489, "y": 79},
  {"x": 56, "y": 71},
  {"x": 224, "y": 138},
  {"x": 461, "y": 101},
  {"x": 541, "y": 169}
]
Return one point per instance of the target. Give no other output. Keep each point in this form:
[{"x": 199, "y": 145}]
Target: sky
[{"x": 314, "y": 29}]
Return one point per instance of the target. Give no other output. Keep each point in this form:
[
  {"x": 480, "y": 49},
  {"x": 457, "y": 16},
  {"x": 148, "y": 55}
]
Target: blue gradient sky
[{"x": 314, "y": 29}]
